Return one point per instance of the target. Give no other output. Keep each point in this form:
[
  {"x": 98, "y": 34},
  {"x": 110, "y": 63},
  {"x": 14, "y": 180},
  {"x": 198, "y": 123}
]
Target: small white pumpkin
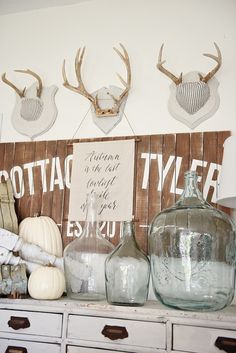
[
  {"x": 46, "y": 282},
  {"x": 42, "y": 231}
]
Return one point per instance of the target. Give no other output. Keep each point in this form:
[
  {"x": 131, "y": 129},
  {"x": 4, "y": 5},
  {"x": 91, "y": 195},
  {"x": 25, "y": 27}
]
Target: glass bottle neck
[
  {"x": 91, "y": 220},
  {"x": 191, "y": 193},
  {"x": 128, "y": 232}
]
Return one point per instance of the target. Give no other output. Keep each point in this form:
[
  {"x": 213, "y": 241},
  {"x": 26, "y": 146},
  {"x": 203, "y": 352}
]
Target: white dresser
[{"x": 32, "y": 326}]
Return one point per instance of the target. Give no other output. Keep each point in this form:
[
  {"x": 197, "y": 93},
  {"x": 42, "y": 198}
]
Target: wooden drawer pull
[
  {"x": 13, "y": 349},
  {"x": 114, "y": 332},
  {"x": 18, "y": 322},
  {"x": 226, "y": 344}
]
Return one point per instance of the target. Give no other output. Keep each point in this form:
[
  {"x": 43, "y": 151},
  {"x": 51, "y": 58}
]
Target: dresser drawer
[
  {"x": 74, "y": 349},
  {"x": 15, "y": 346},
  {"x": 120, "y": 332},
  {"x": 200, "y": 339},
  {"x": 32, "y": 323}
]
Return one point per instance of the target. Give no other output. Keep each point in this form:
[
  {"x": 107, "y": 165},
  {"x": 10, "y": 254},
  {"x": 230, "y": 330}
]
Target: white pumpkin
[
  {"x": 42, "y": 231},
  {"x": 46, "y": 282}
]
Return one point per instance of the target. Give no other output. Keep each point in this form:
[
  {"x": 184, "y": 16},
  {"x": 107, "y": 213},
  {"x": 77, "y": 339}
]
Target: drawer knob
[
  {"x": 115, "y": 332},
  {"x": 13, "y": 349},
  {"x": 226, "y": 344},
  {"x": 17, "y": 323}
]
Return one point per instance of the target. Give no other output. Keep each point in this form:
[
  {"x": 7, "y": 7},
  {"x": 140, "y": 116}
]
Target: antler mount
[
  {"x": 100, "y": 112},
  {"x": 20, "y": 92},
  {"x": 178, "y": 80}
]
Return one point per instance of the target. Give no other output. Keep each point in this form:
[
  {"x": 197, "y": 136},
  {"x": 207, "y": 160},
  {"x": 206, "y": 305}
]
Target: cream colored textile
[{"x": 106, "y": 167}]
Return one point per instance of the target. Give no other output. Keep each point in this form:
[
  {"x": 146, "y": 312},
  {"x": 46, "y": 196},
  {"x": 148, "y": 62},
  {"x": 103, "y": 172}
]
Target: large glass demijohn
[
  {"x": 192, "y": 251},
  {"x": 84, "y": 258},
  {"x": 127, "y": 271}
]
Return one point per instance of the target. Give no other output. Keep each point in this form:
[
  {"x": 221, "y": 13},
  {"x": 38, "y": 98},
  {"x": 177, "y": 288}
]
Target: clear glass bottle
[
  {"x": 192, "y": 250},
  {"x": 84, "y": 258},
  {"x": 127, "y": 271}
]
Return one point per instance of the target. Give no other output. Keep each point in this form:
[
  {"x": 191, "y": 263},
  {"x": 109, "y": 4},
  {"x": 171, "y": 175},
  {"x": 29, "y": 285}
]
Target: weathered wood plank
[
  {"x": 18, "y": 177},
  {"x": 168, "y": 170},
  {"x": 196, "y": 155},
  {"x": 155, "y": 175},
  {"x": 141, "y": 194},
  {"x": 39, "y": 178},
  {"x": 182, "y": 161},
  {"x": 28, "y": 172},
  {"x": 57, "y": 183},
  {"x": 210, "y": 144},
  {"x": 221, "y": 137},
  {"x": 66, "y": 230},
  {"x": 9, "y": 156},
  {"x": 46, "y": 206},
  {"x": 160, "y": 163}
]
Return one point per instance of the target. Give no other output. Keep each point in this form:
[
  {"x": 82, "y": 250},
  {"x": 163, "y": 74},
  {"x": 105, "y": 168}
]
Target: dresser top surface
[{"x": 152, "y": 310}]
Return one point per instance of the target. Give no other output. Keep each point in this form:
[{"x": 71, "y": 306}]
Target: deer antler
[
  {"x": 32, "y": 73},
  {"x": 21, "y": 93},
  {"x": 160, "y": 67},
  {"x": 80, "y": 88},
  {"x": 125, "y": 58},
  {"x": 218, "y": 59},
  {"x": 83, "y": 91}
]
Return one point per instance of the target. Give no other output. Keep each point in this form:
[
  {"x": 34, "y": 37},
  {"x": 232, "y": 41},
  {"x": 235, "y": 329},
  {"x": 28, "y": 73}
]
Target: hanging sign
[{"x": 106, "y": 168}]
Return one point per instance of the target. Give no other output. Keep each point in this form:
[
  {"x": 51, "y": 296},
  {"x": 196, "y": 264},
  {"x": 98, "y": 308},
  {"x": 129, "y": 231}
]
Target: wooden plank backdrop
[{"x": 40, "y": 173}]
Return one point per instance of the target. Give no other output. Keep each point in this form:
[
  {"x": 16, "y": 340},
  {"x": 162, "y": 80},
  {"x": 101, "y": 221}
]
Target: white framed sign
[{"x": 107, "y": 168}]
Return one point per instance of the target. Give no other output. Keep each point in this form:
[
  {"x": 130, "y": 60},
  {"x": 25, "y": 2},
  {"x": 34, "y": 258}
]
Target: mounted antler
[
  {"x": 80, "y": 88},
  {"x": 21, "y": 93},
  {"x": 127, "y": 83},
  {"x": 218, "y": 59},
  {"x": 94, "y": 100},
  {"x": 160, "y": 67}
]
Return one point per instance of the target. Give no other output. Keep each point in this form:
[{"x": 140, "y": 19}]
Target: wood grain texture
[
  {"x": 160, "y": 164},
  {"x": 210, "y": 155},
  {"x": 221, "y": 137},
  {"x": 196, "y": 155},
  {"x": 182, "y": 161},
  {"x": 25, "y": 202},
  {"x": 155, "y": 175},
  {"x": 50, "y": 153},
  {"x": 39, "y": 178},
  {"x": 18, "y": 176},
  {"x": 141, "y": 194},
  {"x": 168, "y": 170}
]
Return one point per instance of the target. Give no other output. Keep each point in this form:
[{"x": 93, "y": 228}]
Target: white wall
[{"x": 41, "y": 39}]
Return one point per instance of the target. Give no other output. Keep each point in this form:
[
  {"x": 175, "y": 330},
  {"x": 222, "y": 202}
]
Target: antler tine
[
  {"x": 21, "y": 93},
  {"x": 78, "y": 63},
  {"x": 160, "y": 67},
  {"x": 32, "y": 73},
  {"x": 80, "y": 88},
  {"x": 125, "y": 58},
  {"x": 218, "y": 59}
]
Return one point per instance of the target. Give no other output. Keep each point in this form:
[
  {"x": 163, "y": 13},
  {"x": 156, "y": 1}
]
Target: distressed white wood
[
  {"x": 143, "y": 334},
  {"x": 43, "y": 324},
  {"x": 81, "y": 324},
  {"x": 153, "y": 310},
  {"x": 198, "y": 339},
  {"x": 73, "y": 349},
  {"x": 32, "y": 347}
]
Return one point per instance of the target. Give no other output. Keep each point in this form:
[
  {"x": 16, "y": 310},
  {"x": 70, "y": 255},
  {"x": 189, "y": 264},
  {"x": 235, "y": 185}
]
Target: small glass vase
[
  {"x": 192, "y": 250},
  {"x": 84, "y": 259},
  {"x": 127, "y": 271}
]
